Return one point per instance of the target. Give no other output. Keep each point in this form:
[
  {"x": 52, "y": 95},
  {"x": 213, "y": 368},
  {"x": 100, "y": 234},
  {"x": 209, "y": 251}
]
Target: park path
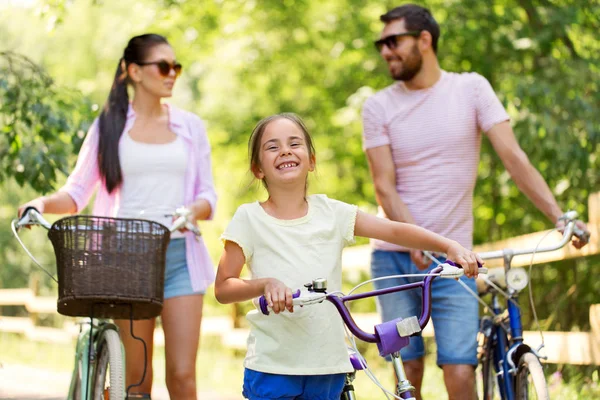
[{"x": 20, "y": 382}]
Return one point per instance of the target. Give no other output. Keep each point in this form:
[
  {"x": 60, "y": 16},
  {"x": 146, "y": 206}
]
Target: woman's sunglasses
[
  {"x": 164, "y": 67},
  {"x": 392, "y": 41}
]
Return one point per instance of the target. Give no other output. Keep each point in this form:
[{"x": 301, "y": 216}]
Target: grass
[{"x": 221, "y": 369}]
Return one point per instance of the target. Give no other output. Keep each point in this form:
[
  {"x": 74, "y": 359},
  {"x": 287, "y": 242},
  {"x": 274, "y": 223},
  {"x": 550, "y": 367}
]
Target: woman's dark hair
[
  {"x": 416, "y": 18},
  {"x": 114, "y": 114}
]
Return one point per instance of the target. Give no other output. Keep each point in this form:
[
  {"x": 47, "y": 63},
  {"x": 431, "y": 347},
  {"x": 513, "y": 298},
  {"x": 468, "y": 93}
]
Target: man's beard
[{"x": 410, "y": 66}]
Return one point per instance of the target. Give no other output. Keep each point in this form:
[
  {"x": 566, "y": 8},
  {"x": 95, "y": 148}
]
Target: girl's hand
[
  {"x": 466, "y": 258},
  {"x": 278, "y": 296}
]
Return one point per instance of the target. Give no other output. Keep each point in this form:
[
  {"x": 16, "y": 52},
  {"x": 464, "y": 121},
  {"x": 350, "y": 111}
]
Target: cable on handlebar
[
  {"x": 13, "y": 225},
  {"x": 531, "y": 303}
]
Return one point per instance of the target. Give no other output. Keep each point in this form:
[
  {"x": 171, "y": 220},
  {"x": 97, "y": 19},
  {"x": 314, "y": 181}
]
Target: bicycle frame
[
  {"x": 507, "y": 350},
  {"x": 404, "y": 388}
]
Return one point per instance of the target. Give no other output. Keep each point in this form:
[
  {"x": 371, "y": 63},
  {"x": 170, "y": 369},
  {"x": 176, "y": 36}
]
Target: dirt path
[{"x": 27, "y": 383}]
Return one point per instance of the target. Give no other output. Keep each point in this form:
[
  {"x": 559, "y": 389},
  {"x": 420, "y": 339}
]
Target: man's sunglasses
[
  {"x": 392, "y": 41},
  {"x": 164, "y": 67}
]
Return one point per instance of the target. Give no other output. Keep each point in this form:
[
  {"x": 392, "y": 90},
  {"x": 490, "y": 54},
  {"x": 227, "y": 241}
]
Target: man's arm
[
  {"x": 526, "y": 177},
  {"x": 383, "y": 172}
]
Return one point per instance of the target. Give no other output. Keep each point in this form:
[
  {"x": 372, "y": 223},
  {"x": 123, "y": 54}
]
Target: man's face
[{"x": 403, "y": 56}]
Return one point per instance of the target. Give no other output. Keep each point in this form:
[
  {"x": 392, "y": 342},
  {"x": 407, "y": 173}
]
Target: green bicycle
[{"x": 107, "y": 268}]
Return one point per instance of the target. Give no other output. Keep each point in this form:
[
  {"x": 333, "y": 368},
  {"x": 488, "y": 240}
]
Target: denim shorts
[
  {"x": 177, "y": 276},
  {"x": 454, "y": 312},
  {"x": 263, "y": 386}
]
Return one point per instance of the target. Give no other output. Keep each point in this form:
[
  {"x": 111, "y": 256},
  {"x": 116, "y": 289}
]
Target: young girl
[
  {"x": 287, "y": 241},
  {"x": 144, "y": 155}
]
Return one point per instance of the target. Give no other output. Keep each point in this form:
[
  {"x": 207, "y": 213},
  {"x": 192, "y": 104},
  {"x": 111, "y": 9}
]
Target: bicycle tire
[
  {"x": 77, "y": 386},
  {"x": 488, "y": 372},
  {"x": 530, "y": 366},
  {"x": 110, "y": 357}
]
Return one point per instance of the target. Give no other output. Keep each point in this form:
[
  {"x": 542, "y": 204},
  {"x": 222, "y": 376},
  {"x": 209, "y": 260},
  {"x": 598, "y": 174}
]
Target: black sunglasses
[
  {"x": 392, "y": 41},
  {"x": 164, "y": 67}
]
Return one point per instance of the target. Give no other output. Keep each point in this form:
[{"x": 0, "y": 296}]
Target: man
[{"x": 422, "y": 137}]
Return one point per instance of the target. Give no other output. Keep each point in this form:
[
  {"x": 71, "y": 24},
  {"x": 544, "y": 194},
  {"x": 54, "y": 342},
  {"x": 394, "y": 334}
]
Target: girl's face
[
  {"x": 284, "y": 155},
  {"x": 158, "y": 73}
]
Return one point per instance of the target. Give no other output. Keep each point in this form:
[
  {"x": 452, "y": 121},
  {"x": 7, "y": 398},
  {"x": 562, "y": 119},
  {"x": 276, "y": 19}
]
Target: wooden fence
[{"x": 582, "y": 348}]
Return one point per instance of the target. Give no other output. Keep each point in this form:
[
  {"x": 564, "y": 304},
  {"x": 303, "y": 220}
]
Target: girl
[
  {"x": 150, "y": 156},
  {"x": 287, "y": 241}
]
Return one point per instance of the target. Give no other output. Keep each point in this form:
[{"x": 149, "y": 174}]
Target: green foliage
[
  {"x": 41, "y": 124},
  {"x": 246, "y": 59}
]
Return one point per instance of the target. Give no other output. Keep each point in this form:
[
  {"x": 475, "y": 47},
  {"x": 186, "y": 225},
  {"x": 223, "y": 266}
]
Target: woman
[{"x": 150, "y": 157}]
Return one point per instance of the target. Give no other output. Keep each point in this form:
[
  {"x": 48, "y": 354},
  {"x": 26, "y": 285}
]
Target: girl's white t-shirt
[
  {"x": 153, "y": 179},
  {"x": 309, "y": 341}
]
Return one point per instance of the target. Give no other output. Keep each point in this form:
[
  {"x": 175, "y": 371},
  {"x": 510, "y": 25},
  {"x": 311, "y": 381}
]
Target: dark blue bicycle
[{"x": 511, "y": 369}]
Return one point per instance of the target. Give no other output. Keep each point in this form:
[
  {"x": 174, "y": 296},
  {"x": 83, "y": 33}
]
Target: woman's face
[{"x": 158, "y": 74}]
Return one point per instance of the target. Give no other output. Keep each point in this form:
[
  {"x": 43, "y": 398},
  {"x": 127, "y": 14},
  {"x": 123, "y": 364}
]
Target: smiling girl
[{"x": 289, "y": 240}]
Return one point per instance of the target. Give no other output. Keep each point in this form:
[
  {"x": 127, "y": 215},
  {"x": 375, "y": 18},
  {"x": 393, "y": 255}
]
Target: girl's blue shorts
[{"x": 263, "y": 386}]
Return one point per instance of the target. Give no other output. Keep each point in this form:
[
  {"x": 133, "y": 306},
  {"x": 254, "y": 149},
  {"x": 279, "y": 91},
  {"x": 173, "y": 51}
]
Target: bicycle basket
[{"x": 110, "y": 267}]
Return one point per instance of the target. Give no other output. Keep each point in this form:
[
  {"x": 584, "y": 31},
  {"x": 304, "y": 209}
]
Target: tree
[{"x": 41, "y": 123}]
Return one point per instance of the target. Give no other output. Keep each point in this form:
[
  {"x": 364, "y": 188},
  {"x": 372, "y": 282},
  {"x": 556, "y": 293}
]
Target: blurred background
[{"x": 247, "y": 59}]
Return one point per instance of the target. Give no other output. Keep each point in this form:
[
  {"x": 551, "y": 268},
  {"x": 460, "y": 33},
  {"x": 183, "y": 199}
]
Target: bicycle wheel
[
  {"x": 488, "y": 373},
  {"x": 108, "y": 377},
  {"x": 77, "y": 386},
  {"x": 530, "y": 380}
]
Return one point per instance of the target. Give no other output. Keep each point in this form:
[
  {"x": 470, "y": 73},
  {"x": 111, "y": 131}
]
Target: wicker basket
[{"x": 110, "y": 267}]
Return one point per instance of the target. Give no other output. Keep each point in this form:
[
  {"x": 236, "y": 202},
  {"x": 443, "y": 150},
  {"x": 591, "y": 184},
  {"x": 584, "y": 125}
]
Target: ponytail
[{"x": 111, "y": 125}]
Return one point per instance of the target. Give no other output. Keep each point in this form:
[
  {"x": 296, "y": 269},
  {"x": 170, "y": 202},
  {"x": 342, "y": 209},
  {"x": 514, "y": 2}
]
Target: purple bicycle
[{"x": 389, "y": 336}]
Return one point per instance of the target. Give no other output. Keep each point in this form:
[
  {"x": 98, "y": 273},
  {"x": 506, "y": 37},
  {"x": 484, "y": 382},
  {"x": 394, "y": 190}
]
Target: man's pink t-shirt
[{"x": 435, "y": 138}]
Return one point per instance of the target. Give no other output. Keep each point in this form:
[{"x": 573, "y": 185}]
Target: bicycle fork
[
  {"x": 404, "y": 389},
  {"x": 348, "y": 392}
]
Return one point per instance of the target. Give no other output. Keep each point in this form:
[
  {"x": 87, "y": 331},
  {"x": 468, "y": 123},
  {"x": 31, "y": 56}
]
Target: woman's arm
[
  {"x": 205, "y": 202},
  {"x": 57, "y": 203},
  {"x": 230, "y": 288},
  {"x": 415, "y": 237},
  {"x": 80, "y": 185},
  {"x": 201, "y": 210}
]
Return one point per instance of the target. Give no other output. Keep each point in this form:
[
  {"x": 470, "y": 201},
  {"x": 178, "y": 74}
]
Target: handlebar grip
[
  {"x": 26, "y": 218},
  {"x": 482, "y": 269},
  {"x": 264, "y": 306},
  {"x": 454, "y": 264},
  {"x": 26, "y": 210},
  {"x": 582, "y": 235}
]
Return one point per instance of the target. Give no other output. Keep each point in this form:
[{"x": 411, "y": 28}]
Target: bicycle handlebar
[
  {"x": 445, "y": 270},
  {"x": 570, "y": 230},
  {"x": 31, "y": 216}
]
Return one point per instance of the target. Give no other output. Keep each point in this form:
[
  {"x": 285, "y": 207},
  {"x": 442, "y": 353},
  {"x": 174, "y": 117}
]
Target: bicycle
[
  {"x": 504, "y": 357},
  {"x": 86, "y": 248},
  {"x": 389, "y": 336}
]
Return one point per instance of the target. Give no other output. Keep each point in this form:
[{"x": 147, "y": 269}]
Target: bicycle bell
[{"x": 516, "y": 279}]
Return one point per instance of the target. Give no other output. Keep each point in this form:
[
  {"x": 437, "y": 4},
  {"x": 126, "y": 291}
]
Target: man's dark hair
[{"x": 416, "y": 18}]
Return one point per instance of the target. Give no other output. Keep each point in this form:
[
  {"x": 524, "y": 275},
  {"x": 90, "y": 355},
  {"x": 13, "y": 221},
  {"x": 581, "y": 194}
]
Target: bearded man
[{"x": 422, "y": 136}]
